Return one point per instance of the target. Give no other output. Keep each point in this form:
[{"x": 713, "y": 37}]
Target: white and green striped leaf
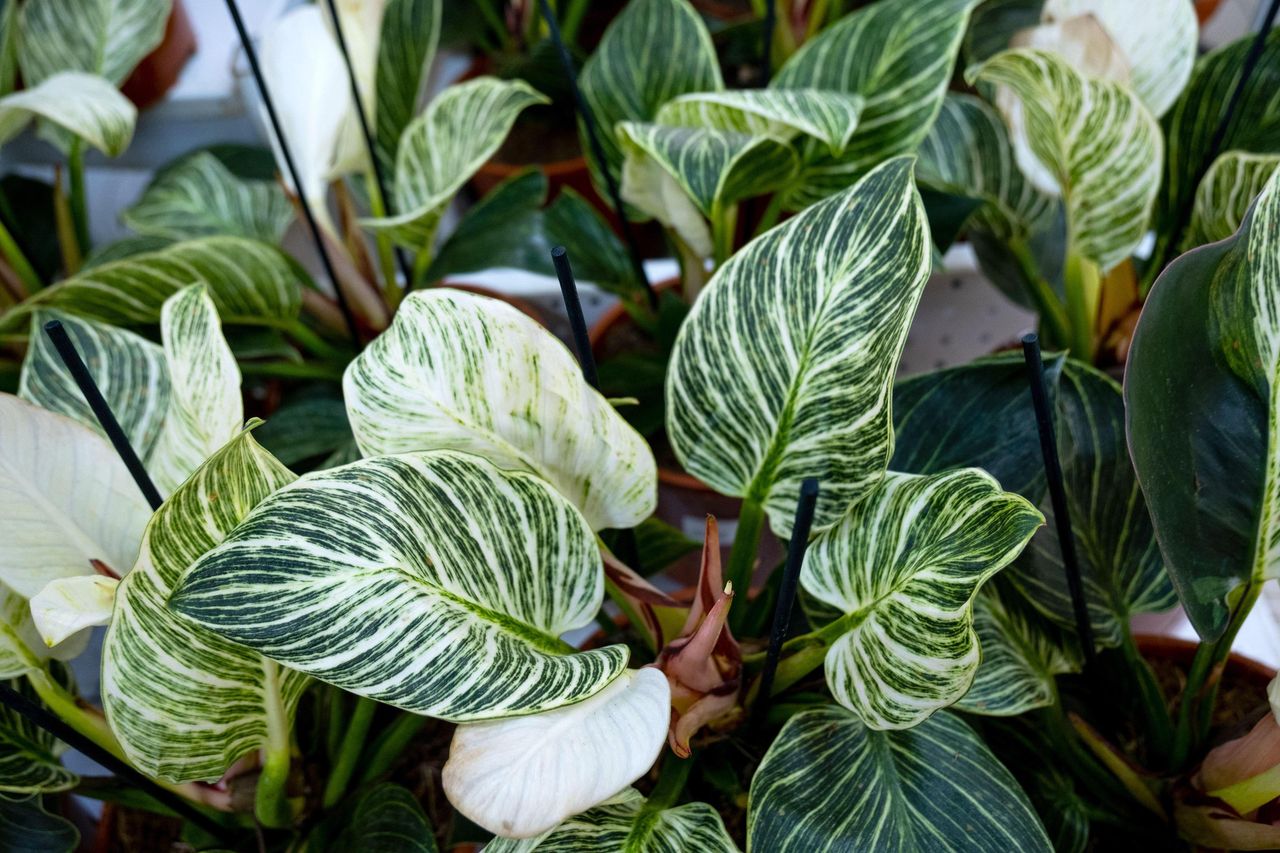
[
  {"x": 1090, "y": 141},
  {"x": 519, "y": 778},
  {"x": 463, "y": 372},
  {"x": 967, "y": 152},
  {"x": 784, "y": 367},
  {"x": 29, "y": 755},
  {"x": 434, "y": 582},
  {"x": 831, "y": 117},
  {"x": 654, "y": 51},
  {"x": 667, "y": 168},
  {"x": 1083, "y": 44},
  {"x": 1157, "y": 38},
  {"x": 200, "y": 197},
  {"x": 26, "y": 818},
  {"x": 830, "y": 783},
  {"x": 1223, "y": 198},
  {"x": 250, "y": 283},
  {"x": 903, "y": 567},
  {"x": 105, "y": 37},
  {"x": 406, "y": 49},
  {"x": 896, "y": 54},
  {"x": 1020, "y": 659},
  {"x": 442, "y": 148},
  {"x": 85, "y": 105},
  {"x": 629, "y": 824},
  {"x": 183, "y": 701},
  {"x": 387, "y": 818},
  {"x": 66, "y": 500}
]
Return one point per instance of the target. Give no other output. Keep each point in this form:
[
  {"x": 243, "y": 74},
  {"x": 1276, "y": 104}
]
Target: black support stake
[
  {"x": 1058, "y": 493},
  {"x": 766, "y": 47},
  {"x": 106, "y": 419},
  {"x": 577, "y": 322},
  {"x": 786, "y": 595},
  {"x": 597, "y": 151},
  {"x": 51, "y": 723},
  {"x": 307, "y": 213},
  {"x": 401, "y": 261}
]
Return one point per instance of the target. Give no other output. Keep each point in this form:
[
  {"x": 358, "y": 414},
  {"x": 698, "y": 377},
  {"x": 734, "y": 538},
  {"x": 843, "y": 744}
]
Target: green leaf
[
  {"x": 28, "y": 754},
  {"x": 1201, "y": 406},
  {"x": 903, "y": 567},
  {"x": 8, "y": 46},
  {"x": 519, "y": 778},
  {"x": 442, "y": 148},
  {"x": 659, "y": 545},
  {"x": 830, "y": 783},
  {"x": 598, "y": 255},
  {"x": 184, "y": 702},
  {"x": 407, "y": 46},
  {"x": 250, "y": 283},
  {"x": 378, "y": 593},
  {"x": 386, "y": 819},
  {"x": 306, "y": 427},
  {"x": 993, "y": 25},
  {"x": 897, "y": 55},
  {"x": 629, "y": 824},
  {"x": 125, "y": 247},
  {"x": 503, "y": 229},
  {"x": 783, "y": 368},
  {"x": 1020, "y": 659},
  {"x": 26, "y": 827},
  {"x": 1223, "y": 198},
  {"x": 106, "y": 37},
  {"x": 668, "y": 168},
  {"x": 654, "y": 51},
  {"x": 200, "y": 197},
  {"x": 26, "y": 207},
  {"x": 469, "y": 373},
  {"x": 82, "y": 104},
  {"x": 1107, "y": 169},
  {"x": 831, "y": 117},
  {"x": 66, "y": 499}
]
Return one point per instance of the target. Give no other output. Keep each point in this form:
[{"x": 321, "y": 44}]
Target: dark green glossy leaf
[
  {"x": 503, "y": 229},
  {"x": 386, "y": 819},
  {"x": 25, "y": 827}
]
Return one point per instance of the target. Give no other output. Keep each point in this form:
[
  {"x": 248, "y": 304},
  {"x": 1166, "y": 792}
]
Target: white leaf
[
  {"x": 83, "y": 104},
  {"x": 67, "y": 606},
  {"x": 520, "y": 777}
]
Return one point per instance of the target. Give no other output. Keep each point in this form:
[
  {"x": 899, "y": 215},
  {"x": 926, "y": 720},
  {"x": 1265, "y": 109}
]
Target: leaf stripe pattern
[
  {"x": 184, "y": 702},
  {"x": 430, "y": 581},
  {"x": 406, "y": 48},
  {"x": 1223, "y": 198},
  {"x": 1092, "y": 141},
  {"x": 628, "y": 824},
  {"x": 898, "y": 55},
  {"x": 107, "y": 37},
  {"x": 830, "y": 783},
  {"x": 904, "y": 566},
  {"x": 783, "y": 369},
  {"x": 83, "y": 104},
  {"x": 831, "y": 117},
  {"x": 250, "y": 283},
  {"x": 465, "y": 372},
  {"x": 29, "y": 755},
  {"x": 200, "y": 197},
  {"x": 387, "y": 819}
]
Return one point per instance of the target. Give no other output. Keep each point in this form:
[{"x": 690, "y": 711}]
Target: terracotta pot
[
  {"x": 160, "y": 69},
  {"x": 1205, "y": 10},
  {"x": 1180, "y": 651},
  {"x": 684, "y": 501}
]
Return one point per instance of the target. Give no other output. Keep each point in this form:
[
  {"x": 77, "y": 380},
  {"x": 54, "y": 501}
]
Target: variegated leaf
[
  {"x": 667, "y": 168},
  {"x": 385, "y": 819},
  {"x": 519, "y": 778},
  {"x": 205, "y": 408},
  {"x": 1223, "y": 198},
  {"x": 128, "y": 369},
  {"x": 1083, "y": 44},
  {"x": 464, "y": 372},
  {"x": 903, "y": 566},
  {"x": 45, "y": 832},
  {"x": 1203, "y": 415},
  {"x": 66, "y": 606},
  {"x": 361, "y": 28},
  {"x": 783, "y": 369},
  {"x": 406, "y": 49},
  {"x": 430, "y": 581},
  {"x": 1020, "y": 659},
  {"x": 1157, "y": 37},
  {"x": 250, "y": 283},
  {"x": 66, "y": 500},
  {"x": 1090, "y": 141},
  {"x": 442, "y": 148},
  {"x": 898, "y": 55},
  {"x": 29, "y": 755},
  {"x": 85, "y": 105},
  {"x": 200, "y": 197},
  {"x": 830, "y": 783},
  {"x": 184, "y": 702},
  {"x": 106, "y": 37},
  {"x": 831, "y": 117},
  {"x": 654, "y": 51},
  {"x": 629, "y": 824}
]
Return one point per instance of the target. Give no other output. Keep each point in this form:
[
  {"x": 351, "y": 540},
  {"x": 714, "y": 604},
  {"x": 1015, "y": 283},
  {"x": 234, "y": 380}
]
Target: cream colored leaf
[{"x": 67, "y": 606}]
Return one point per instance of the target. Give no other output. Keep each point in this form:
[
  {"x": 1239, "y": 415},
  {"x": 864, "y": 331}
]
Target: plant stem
[
  {"x": 724, "y": 226},
  {"x": 352, "y": 744},
  {"x": 64, "y": 223},
  {"x": 571, "y": 21},
  {"x": 1155, "y": 710},
  {"x": 79, "y": 203},
  {"x": 386, "y": 254},
  {"x": 671, "y": 781},
  {"x": 83, "y": 720},
  {"x": 742, "y": 557},
  {"x": 390, "y": 745},
  {"x": 13, "y": 254},
  {"x": 271, "y": 801},
  {"x": 1048, "y": 306},
  {"x": 1083, "y": 285},
  {"x": 771, "y": 213}
]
